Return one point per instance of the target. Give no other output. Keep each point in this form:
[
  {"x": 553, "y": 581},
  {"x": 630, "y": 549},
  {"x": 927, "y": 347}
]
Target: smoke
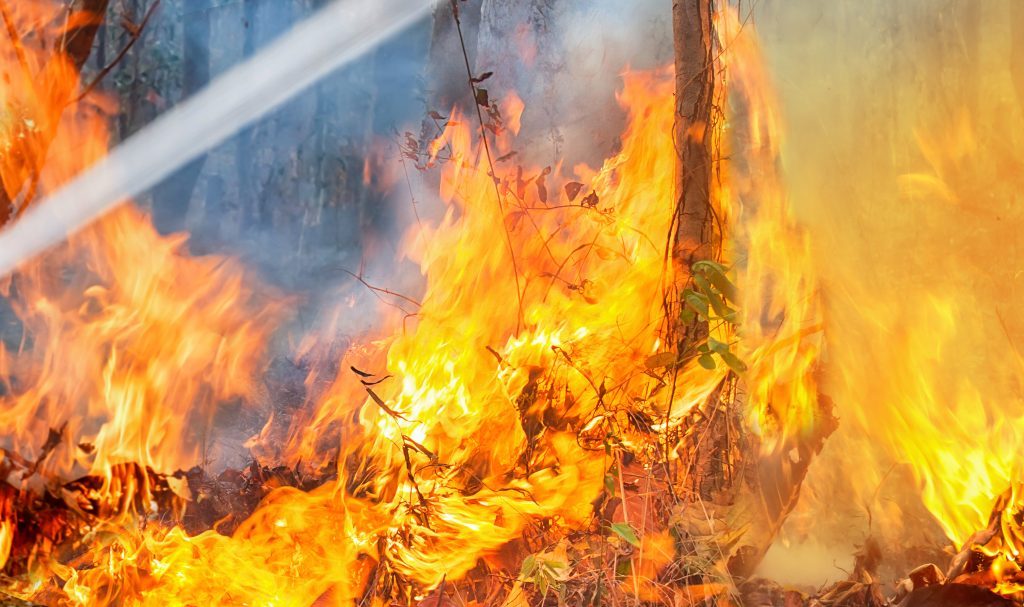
[
  {"x": 565, "y": 61},
  {"x": 884, "y": 102}
]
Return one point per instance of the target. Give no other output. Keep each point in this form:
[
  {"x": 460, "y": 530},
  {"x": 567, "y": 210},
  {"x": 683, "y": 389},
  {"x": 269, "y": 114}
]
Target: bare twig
[
  {"x": 135, "y": 36},
  {"x": 490, "y": 163}
]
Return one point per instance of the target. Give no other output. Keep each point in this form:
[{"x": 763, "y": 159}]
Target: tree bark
[
  {"x": 244, "y": 157},
  {"x": 445, "y": 74},
  {"x": 172, "y": 197},
  {"x": 695, "y": 85}
]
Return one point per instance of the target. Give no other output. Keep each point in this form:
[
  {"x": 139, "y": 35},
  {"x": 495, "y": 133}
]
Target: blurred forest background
[
  {"x": 301, "y": 191},
  {"x": 297, "y": 176}
]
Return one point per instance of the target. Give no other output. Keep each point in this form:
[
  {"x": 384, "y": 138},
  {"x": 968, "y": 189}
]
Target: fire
[
  {"x": 496, "y": 402},
  {"x": 782, "y": 320},
  {"x": 539, "y": 346},
  {"x": 943, "y": 396},
  {"x": 916, "y": 248},
  {"x": 513, "y": 348},
  {"x": 517, "y": 344}
]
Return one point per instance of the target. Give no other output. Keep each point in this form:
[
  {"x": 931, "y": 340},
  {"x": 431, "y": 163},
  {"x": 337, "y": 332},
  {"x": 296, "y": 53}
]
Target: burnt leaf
[
  {"x": 572, "y": 190},
  {"x": 520, "y": 184},
  {"x": 482, "y": 98},
  {"x": 53, "y": 440},
  {"x": 590, "y": 200},
  {"x": 506, "y": 156},
  {"x": 494, "y": 114},
  {"x": 435, "y": 115},
  {"x": 640, "y": 421},
  {"x": 482, "y": 77},
  {"x": 380, "y": 403},
  {"x": 374, "y": 383},
  {"x": 361, "y": 373},
  {"x": 542, "y": 188}
]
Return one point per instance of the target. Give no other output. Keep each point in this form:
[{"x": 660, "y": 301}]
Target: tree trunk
[
  {"x": 755, "y": 490},
  {"x": 446, "y": 84},
  {"x": 244, "y": 157},
  {"x": 77, "y": 44},
  {"x": 171, "y": 198},
  {"x": 695, "y": 85}
]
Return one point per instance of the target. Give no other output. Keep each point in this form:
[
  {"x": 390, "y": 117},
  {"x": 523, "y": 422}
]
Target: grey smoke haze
[{"x": 343, "y": 31}]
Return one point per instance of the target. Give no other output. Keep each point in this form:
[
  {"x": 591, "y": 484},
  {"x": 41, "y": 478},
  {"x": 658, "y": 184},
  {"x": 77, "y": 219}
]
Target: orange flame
[{"x": 538, "y": 341}]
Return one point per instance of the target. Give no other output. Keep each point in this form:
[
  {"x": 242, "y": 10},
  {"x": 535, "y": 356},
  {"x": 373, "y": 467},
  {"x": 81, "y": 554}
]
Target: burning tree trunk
[
  {"x": 17, "y": 171},
  {"x": 755, "y": 486},
  {"x": 695, "y": 85}
]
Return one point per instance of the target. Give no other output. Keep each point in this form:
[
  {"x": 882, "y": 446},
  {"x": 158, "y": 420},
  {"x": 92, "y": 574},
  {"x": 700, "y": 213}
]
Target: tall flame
[
  {"x": 129, "y": 343},
  {"x": 539, "y": 317},
  {"x": 539, "y": 345}
]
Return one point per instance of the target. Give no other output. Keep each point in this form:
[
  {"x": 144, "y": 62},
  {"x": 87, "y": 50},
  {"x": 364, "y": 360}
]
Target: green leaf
[
  {"x": 717, "y": 346},
  {"x": 724, "y": 285},
  {"x": 626, "y": 532},
  {"x": 718, "y": 275},
  {"x": 529, "y": 568},
  {"x": 714, "y": 298},
  {"x": 706, "y": 361},
  {"x": 705, "y": 265},
  {"x": 702, "y": 283},
  {"x": 609, "y": 483},
  {"x": 543, "y": 582},
  {"x": 733, "y": 361},
  {"x": 698, "y": 301},
  {"x": 718, "y": 304}
]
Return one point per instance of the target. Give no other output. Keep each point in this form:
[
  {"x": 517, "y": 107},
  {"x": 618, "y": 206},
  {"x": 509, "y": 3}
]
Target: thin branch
[
  {"x": 136, "y": 35},
  {"x": 490, "y": 162},
  {"x": 377, "y": 290}
]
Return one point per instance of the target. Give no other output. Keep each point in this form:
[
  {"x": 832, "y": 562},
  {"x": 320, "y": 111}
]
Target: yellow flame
[{"x": 530, "y": 349}]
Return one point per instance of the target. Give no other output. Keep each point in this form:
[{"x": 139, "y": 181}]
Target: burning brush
[{"x": 569, "y": 414}]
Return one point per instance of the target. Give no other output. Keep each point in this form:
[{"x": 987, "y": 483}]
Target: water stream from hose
[{"x": 335, "y": 36}]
